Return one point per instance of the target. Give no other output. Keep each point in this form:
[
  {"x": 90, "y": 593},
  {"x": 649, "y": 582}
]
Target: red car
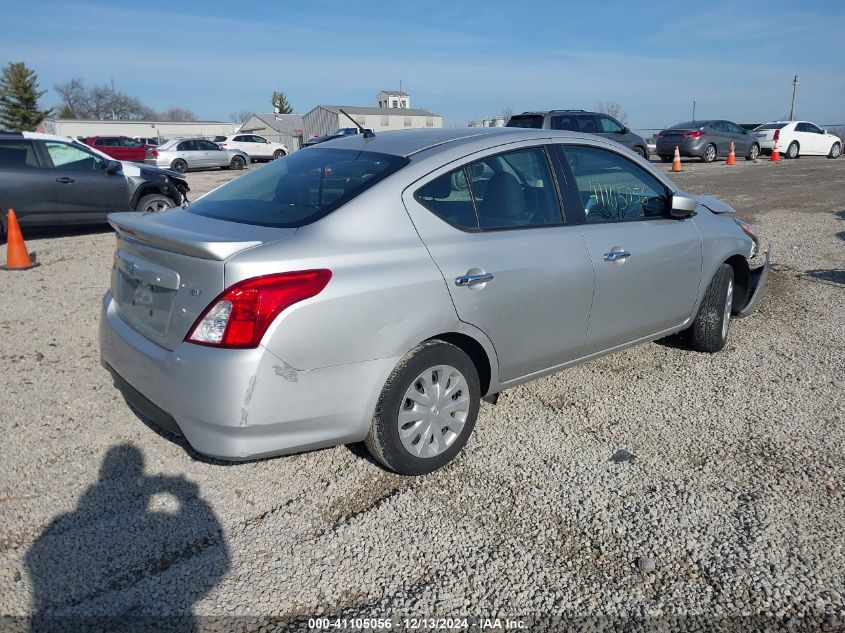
[{"x": 119, "y": 147}]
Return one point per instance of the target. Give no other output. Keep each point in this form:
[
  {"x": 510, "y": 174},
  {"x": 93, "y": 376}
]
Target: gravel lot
[{"x": 735, "y": 492}]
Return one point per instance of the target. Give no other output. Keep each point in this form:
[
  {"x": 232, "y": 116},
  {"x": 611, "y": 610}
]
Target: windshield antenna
[{"x": 366, "y": 133}]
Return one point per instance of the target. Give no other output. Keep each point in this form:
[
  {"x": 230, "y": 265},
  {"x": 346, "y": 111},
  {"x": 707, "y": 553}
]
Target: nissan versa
[{"x": 378, "y": 288}]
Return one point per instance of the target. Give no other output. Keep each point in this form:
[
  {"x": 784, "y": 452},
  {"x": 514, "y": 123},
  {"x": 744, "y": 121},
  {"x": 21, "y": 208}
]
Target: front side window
[
  {"x": 814, "y": 129},
  {"x": 298, "y": 189},
  {"x": 125, "y": 141},
  {"x": 72, "y": 157},
  {"x": 259, "y": 139},
  {"x": 588, "y": 124},
  {"x": 609, "y": 126},
  {"x": 614, "y": 189},
  {"x": 207, "y": 146},
  {"x": 734, "y": 128},
  {"x": 505, "y": 191},
  {"x": 17, "y": 153},
  {"x": 107, "y": 142}
]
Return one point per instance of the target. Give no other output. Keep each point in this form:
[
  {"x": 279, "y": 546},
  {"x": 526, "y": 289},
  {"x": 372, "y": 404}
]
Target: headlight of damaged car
[{"x": 749, "y": 231}]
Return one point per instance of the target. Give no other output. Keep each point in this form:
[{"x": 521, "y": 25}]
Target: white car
[
  {"x": 796, "y": 138},
  {"x": 257, "y": 147}
]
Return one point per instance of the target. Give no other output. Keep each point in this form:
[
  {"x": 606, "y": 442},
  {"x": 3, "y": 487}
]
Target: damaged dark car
[{"x": 53, "y": 181}]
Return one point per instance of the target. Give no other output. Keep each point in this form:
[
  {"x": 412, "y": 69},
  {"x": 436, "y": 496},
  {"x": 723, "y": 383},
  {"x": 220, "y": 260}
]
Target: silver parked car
[
  {"x": 378, "y": 289},
  {"x": 195, "y": 153}
]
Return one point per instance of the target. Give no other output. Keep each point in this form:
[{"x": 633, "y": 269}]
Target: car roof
[{"x": 409, "y": 142}]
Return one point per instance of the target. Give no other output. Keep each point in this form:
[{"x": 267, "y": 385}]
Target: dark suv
[
  {"x": 52, "y": 180},
  {"x": 582, "y": 121}
]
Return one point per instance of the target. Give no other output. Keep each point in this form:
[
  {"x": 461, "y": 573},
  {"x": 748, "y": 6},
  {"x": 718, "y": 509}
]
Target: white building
[
  {"x": 325, "y": 119},
  {"x": 140, "y": 129},
  {"x": 393, "y": 99}
]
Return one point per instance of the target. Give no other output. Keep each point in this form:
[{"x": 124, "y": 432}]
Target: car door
[
  {"x": 514, "y": 269},
  {"x": 262, "y": 147},
  {"x": 647, "y": 264},
  {"x": 721, "y": 137},
  {"x": 190, "y": 152},
  {"x": 85, "y": 191},
  {"x": 741, "y": 138},
  {"x": 215, "y": 157},
  {"x": 614, "y": 130},
  {"x": 24, "y": 185},
  {"x": 818, "y": 141}
]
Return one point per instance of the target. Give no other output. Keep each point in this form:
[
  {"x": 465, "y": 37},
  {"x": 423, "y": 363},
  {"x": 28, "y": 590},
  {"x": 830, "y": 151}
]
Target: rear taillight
[
  {"x": 154, "y": 153},
  {"x": 222, "y": 144},
  {"x": 240, "y": 316},
  {"x": 694, "y": 134},
  {"x": 777, "y": 135}
]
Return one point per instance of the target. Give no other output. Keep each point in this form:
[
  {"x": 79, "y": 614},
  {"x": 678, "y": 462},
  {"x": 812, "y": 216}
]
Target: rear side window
[
  {"x": 17, "y": 153},
  {"x": 534, "y": 121},
  {"x": 564, "y": 122},
  {"x": 505, "y": 191},
  {"x": 299, "y": 189}
]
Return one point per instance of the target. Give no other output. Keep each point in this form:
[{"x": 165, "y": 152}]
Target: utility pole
[
  {"x": 792, "y": 109},
  {"x": 693, "y": 110}
]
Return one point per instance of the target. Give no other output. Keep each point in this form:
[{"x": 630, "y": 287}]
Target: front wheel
[
  {"x": 835, "y": 151},
  {"x": 754, "y": 152},
  {"x": 154, "y": 203},
  {"x": 640, "y": 151},
  {"x": 278, "y": 154},
  {"x": 792, "y": 150},
  {"x": 426, "y": 411},
  {"x": 709, "y": 153},
  {"x": 710, "y": 329}
]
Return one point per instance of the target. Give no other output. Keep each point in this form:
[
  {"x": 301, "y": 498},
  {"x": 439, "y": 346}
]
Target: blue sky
[{"x": 459, "y": 59}]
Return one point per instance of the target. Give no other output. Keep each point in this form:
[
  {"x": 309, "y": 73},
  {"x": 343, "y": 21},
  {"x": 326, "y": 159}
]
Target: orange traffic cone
[
  {"x": 676, "y": 164},
  {"x": 775, "y": 153},
  {"x": 731, "y": 156},
  {"x": 17, "y": 257}
]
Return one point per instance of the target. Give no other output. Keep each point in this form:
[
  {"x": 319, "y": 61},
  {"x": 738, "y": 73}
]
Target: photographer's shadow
[{"x": 137, "y": 553}]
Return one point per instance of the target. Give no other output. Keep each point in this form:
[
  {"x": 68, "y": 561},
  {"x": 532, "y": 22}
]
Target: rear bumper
[
  {"x": 757, "y": 281},
  {"x": 239, "y": 404},
  {"x": 686, "y": 148}
]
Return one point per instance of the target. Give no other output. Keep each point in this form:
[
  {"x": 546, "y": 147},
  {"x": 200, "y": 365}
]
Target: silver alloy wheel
[
  {"x": 835, "y": 150},
  {"x": 433, "y": 411},
  {"x": 755, "y": 152},
  {"x": 710, "y": 154},
  {"x": 157, "y": 205},
  {"x": 792, "y": 150},
  {"x": 729, "y": 298}
]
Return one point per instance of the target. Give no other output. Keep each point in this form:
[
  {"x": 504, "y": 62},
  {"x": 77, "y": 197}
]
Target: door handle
[
  {"x": 473, "y": 280},
  {"x": 614, "y": 256},
  {"x": 65, "y": 180}
]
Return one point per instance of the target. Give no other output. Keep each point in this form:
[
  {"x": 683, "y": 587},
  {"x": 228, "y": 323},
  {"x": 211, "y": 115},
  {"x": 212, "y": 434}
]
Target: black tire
[
  {"x": 792, "y": 150},
  {"x": 753, "y": 152},
  {"x": 640, "y": 151},
  {"x": 835, "y": 150},
  {"x": 278, "y": 154},
  {"x": 2, "y": 231},
  {"x": 709, "y": 332},
  {"x": 666, "y": 159},
  {"x": 383, "y": 440},
  {"x": 154, "y": 203},
  {"x": 707, "y": 156},
  {"x": 238, "y": 162},
  {"x": 179, "y": 165}
]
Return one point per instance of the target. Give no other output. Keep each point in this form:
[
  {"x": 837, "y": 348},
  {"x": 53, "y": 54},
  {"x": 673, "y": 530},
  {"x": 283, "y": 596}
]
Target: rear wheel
[
  {"x": 179, "y": 165},
  {"x": 754, "y": 152},
  {"x": 426, "y": 411},
  {"x": 154, "y": 203},
  {"x": 709, "y": 153},
  {"x": 278, "y": 154},
  {"x": 238, "y": 162},
  {"x": 666, "y": 159},
  {"x": 640, "y": 151},
  {"x": 835, "y": 151},
  {"x": 709, "y": 331},
  {"x": 792, "y": 150}
]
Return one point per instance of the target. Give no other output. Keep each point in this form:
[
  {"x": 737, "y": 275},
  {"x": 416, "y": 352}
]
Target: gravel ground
[{"x": 725, "y": 510}]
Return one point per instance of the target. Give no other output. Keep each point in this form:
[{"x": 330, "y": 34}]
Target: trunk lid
[{"x": 169, "y": 266}]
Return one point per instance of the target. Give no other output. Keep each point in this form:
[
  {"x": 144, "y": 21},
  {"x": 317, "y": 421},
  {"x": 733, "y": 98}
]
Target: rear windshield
[
  {"x": 689, "y": 125},
  {"x": 298, "y": 189},
  {"x": 770, "y": 126},
  {"x": 534, "y": 121}
]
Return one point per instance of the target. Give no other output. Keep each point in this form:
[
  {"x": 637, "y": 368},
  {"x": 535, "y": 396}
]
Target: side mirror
[
  {"x": 625, "y": 130},
  {"x": 113, "y": 167},
  {"x": 745, "y": 131},
  {"x": 683, "y": 207}
]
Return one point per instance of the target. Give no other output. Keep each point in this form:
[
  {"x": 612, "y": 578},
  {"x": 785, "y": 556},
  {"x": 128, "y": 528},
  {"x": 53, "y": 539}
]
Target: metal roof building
[
  {"x": 281, "y": 128},
  {"x": 140, "y": 129},
  {"x": 325, "y": 119}
]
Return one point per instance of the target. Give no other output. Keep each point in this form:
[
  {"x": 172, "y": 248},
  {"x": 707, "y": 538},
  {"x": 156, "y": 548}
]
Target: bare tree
[
  {"x": 177, "y": 114},
  {"x": 611, "y": 108},
  {"x": 507, "y": 113},
  {"x": 241, "y": 116},
  {"x": 73, "y": 95}
]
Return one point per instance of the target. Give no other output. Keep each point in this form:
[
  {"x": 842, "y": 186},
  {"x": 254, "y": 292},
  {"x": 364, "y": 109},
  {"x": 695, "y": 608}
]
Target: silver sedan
[
  {"x": 378, "y": 288},
  {"x": 195, "y": 153}
]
